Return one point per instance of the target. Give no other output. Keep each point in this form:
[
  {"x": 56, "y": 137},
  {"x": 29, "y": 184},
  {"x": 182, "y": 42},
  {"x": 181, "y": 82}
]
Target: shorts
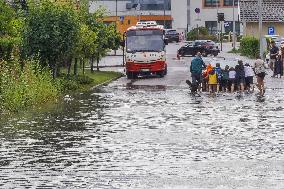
[
  {"x": 249, "y": 80},
  {"x": 231, "y": 82},
  {"x": 261, "y": 75},
  {"x": 224, "y": 83},
  {"x": 240, "y": 80}
]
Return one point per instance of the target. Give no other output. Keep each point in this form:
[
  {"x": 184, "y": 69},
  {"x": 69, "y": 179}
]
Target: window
[
  {"x": 211, "y": 26},
  {"x": 230, "y": 2},
  {"x": 152, "y": 4},
  {"x": 211, "y": 3}
]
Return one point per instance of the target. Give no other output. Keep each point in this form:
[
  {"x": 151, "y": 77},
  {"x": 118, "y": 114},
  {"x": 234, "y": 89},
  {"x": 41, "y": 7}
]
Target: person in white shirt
[
  {"x": 259, "y": 69},
  {"x": 232, "y": 79},
  {"x": 249, "y": 73}
]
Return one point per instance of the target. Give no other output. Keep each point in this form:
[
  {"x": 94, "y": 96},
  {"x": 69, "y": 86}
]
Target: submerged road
[{"x": 148, "y": 133}]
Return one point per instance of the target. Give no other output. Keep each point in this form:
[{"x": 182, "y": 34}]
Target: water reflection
[{"x": 145, "y": 137}]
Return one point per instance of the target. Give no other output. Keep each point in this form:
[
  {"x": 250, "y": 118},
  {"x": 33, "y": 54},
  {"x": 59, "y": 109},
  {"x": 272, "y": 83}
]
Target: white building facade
[
  {"x": 208, "y": 15},
  {"x": 177, "y": 9}
]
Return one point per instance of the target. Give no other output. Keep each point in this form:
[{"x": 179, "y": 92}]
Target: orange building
[{"x": 123, "y": 23}]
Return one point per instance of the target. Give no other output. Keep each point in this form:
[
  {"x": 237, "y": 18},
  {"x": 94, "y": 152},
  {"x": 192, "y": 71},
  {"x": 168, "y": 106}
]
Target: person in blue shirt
[
  {"x": 196, "y": 67},
  {"x": 218, "y": 71}
]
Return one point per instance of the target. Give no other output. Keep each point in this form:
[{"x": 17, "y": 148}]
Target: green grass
[
  {"x": 87, "y": 80},
  {"x": 102, "y": 76},
  {"x": 234, "y": 51}
]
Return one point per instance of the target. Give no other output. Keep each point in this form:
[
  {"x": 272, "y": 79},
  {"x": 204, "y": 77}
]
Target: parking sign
[{"x": 271, "y": 30}]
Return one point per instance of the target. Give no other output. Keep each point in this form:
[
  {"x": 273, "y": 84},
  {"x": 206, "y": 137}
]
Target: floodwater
[{"x": 124, "y": 136}]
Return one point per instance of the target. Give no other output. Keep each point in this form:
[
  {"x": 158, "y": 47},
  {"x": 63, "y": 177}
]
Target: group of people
[{"x": 227, "y": 79}]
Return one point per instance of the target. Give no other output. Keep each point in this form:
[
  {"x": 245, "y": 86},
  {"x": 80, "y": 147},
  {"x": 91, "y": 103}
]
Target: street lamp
[
  {"x": 260, "y": 28},
  {"x": 234, "y": 26},
  {"x": 164, "y": 13}
]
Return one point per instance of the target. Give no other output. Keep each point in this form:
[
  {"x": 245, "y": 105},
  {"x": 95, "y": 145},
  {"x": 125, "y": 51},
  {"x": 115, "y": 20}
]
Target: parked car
[
  {"x": 206, "y": 47},
  {"x": 172, "y": 35}
]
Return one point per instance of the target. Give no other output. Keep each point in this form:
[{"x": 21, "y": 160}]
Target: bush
[
  {"x": 203, "y": 34},
  {"x": 27, "y": 87},
  {"x": 249, "y": 47}
]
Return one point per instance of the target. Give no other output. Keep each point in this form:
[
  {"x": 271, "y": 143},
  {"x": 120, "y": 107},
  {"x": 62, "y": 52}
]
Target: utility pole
[
  {"x": 217, "y": 6},
  {"x": 139, "y": 12},
  {"x": 234, "y": 26},
  {"x": 165, "y": 14},
  {"x": 115, "y": 20},
  {"x": 260, "y": 28}
]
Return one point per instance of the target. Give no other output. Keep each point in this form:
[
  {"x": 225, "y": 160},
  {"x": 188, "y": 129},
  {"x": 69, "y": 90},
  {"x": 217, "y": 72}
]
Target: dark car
[
  {"x": 172, "y": 35},
  {"x": 206, "y": 47}
]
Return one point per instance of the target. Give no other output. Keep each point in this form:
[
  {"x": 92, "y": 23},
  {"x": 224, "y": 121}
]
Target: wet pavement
[{"x": 148, "y": 133}]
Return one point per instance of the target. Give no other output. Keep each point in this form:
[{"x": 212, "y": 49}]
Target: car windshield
[
  {"x": 171, "y": 32},
  {"x": 150, "y": 43}
]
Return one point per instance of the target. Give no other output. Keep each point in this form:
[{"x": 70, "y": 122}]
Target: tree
[
  {"x": 85, "y": 46},
  {"x": 107, "y": 37},
  {"x": 51, "y": 32},
  {"x": 10, "y": 30}
]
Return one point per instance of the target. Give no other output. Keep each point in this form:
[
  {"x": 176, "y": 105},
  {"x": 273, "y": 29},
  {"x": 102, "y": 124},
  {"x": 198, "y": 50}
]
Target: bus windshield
[{"x": 145, "y": 43}]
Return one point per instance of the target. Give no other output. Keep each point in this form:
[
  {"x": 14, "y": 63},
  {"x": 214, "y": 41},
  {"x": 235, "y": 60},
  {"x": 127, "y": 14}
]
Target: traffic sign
[
  {"x": 271, "y": 30},
  {"x": 226, "y": 24},
  {"x": 197, "y": 10}
]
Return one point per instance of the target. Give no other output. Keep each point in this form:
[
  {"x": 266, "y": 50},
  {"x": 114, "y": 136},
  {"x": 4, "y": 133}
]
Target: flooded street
[{"x": 148, "y": 133}]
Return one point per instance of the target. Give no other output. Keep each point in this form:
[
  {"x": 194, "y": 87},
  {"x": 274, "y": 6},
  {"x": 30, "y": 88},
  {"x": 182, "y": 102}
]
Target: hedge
[
  {"x": 249, "y": 47},
  {"x": 203, "y": 34}
]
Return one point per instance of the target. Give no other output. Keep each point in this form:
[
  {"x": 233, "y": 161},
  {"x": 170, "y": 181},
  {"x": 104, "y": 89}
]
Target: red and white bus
[{"x": 145, "y": 52}]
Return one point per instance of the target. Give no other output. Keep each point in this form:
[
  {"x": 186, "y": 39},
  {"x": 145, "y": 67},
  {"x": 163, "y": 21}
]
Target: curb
[{"x": 106, "y": 82}]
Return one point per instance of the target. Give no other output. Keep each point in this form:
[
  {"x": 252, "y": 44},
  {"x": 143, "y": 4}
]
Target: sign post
[{"x": 197, "y": 11}]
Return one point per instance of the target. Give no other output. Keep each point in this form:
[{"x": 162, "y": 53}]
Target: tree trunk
[
  {"x": 83, "y": 64},
  {"x": 98, "y": 60},
  {"x": 92, "y": 64},
  {"x": 76, "y": 67},
  {"x": 69, "y": 63},
  {"x": 54, "y": 70}
]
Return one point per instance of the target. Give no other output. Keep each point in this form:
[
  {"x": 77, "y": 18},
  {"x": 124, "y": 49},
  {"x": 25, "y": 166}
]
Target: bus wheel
[
  {"x": 130, "y": 75},
  {"x": 161, "y": 73},
  {"x": 166, "y": 71}
]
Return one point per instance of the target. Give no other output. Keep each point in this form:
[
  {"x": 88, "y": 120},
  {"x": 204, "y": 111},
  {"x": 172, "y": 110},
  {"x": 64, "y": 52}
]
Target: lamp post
[
  {"x": 164, "y": 13},
  {"x": 234, "y": 26},
  {"x": 217, "y": 21},
  {"x": 260, "y": 28},
  {"x": 115, "y": 20}
]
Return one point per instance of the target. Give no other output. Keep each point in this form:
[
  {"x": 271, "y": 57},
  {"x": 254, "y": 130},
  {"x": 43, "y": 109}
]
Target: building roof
[{"x": 273, "y": 10}]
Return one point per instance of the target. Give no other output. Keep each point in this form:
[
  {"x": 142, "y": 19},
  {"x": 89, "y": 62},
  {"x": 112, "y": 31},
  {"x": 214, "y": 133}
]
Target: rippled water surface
[{"x": 147, "y": 137}]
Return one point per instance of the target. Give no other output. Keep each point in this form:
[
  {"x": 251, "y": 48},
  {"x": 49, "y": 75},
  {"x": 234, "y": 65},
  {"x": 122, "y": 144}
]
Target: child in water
[
  {"x": 232, "y": 79},
  {"x": 218, "y": 71},
  {"x": 225, "y": 79},
  {"x": 212, "y": 81}
]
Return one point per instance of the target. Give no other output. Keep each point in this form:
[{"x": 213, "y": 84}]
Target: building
[
  {"x": 127, "y": 13},
  {"x": 208, "y": 15},
  {"x": 272, "y": 17}
]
